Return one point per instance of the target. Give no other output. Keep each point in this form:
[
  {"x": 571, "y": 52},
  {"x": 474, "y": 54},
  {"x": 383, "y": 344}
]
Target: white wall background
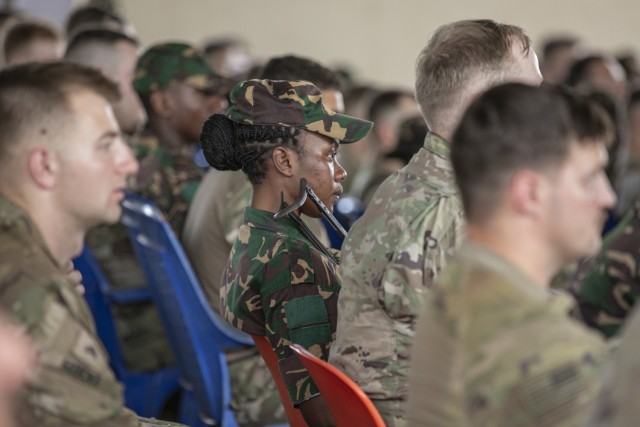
[{"x": 380, "y": 39}]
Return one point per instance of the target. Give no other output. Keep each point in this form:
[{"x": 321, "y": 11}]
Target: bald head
[
  {"x": 97, "y": 47},
  {"x": 115, "y": 54}
]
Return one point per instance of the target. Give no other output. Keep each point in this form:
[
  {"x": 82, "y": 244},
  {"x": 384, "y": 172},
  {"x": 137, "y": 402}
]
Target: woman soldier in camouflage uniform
[{"x": 280, "y": 281}]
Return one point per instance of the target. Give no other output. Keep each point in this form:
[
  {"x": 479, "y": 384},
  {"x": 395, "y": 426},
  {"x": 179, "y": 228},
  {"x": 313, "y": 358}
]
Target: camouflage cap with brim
[
  {"x": 162, "y": 64},
  {"x": 295, "y": 104}
]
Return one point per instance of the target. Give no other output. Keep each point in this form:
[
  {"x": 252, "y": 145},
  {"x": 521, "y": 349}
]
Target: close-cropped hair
[
  {"x": 291, "y": 67},
  {"x": 34, "y": 98},
  {"x": 459, "y": 53},
  {"x": 228, "y": 145},
  {"x": 515, "y": 127},
  {"x": 24, "y": 33},
  {"x": 90, "y": 38}
]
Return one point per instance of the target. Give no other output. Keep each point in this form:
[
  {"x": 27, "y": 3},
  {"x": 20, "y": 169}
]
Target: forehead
[
  {"x": 586, "y": 155},
  {"x": 91, "y": 111},
  {"x": 317, "y": 141}
]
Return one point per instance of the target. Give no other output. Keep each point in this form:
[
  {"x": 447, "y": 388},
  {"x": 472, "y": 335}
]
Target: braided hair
[{"x": 228, "y": 145}]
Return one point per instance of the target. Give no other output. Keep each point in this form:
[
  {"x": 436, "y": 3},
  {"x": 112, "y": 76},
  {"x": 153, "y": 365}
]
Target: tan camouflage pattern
[
  {"x": 492, "y": 348},
  {"x": 278, "y": 285},
  {"x": 607, "y": 286},
  {"x": 295, "y": 104},
  {"x": 391, "y": 256},
  {"x": 73, "y": 385}
]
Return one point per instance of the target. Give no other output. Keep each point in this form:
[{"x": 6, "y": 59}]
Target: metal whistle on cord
[{"x": 306, "y": 191}]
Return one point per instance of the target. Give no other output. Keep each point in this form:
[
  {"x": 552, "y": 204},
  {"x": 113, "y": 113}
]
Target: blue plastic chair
[
  {"x": 196, "y": 334},
  {"x": 145, "y": 393}
]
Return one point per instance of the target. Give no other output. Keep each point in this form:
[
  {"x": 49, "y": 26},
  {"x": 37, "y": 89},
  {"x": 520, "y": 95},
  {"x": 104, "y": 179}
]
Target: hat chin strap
[{"x": 306, "y": 191}]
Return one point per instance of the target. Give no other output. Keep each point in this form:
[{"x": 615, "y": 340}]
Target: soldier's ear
[
  {"x": 160, "y": 103},
  {"x": 43, "y": 167},
  {"x": 284, "y": 161},
  {"x": 528, "y": 192}
]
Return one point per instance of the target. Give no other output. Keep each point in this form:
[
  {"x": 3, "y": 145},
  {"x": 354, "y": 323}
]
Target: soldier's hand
[{"x": 75, "y": 277}]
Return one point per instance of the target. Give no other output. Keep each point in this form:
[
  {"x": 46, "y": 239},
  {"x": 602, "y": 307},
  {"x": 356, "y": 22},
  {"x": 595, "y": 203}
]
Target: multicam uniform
[
  {"x": 390, "y": 257},
  {"x": 73, "y": 385},
  {"x": 469, "y": 369},
  {"x": 607, "y": 287},
  {"x": 280, "y": 285}
]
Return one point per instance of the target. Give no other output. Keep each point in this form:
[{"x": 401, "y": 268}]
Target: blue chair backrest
[
  {"x": 144, "y": 392},
  {"x": 197, "y": 335}
]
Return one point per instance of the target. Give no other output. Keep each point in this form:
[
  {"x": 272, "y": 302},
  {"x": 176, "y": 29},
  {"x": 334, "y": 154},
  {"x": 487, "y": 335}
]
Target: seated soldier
[
  {"x": 280, "y": 281},
  {"x": 63, "y": 170},
  {"x": 211, "y": 228},
  {"x": 179, "y": 91},
  {"x": 493, "y": 346}
]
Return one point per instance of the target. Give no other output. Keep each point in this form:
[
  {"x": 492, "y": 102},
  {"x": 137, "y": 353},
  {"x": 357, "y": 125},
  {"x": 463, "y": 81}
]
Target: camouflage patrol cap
[
  {"x": 295, "y": 104},
  {"x": 164, "y": 63}
]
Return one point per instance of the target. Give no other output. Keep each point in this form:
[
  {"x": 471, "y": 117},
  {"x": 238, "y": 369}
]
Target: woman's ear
[
  {"x": 160, "y": 103},
  {"x": 285, "y": 161},
  {"x": 43, "y": 167}
]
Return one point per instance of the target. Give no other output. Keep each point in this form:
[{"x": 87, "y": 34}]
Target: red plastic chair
[
  {"x": 270, "y": 358},
  {"x": 348, "y": 404}
]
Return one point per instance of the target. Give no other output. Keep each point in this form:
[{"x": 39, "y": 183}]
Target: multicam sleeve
[
  {"x": 417, "y": 262},
  {"x": 74, "y": 384},
  {"x": 550, "y": 380}
]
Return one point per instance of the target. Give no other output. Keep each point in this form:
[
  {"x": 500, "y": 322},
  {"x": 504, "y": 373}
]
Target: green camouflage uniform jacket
[
  {"x": 169, "y": 178},
  {"x": 254, "y": 395},
  {"x": 391, "y": 255},
  {"x": 494, "y": 349},
  {"x": 74, "y": 385},
  {"x": 607, "y": 287},
  {"x": 279, "y": 285}
]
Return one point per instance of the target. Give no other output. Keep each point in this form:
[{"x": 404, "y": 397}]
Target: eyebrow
[{"x": 110, "y": 134}]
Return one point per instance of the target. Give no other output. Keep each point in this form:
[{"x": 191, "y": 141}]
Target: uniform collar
[
  {"x": 558, "y": 302},
  {"x": 437, "y": 145},
  {"x": 262, "y": 219},
  {"x": 17, "y": 222}
]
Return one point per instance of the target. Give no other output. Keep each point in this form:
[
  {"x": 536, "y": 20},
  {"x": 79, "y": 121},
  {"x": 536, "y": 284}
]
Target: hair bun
[{"x": 219, "y": 144}]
